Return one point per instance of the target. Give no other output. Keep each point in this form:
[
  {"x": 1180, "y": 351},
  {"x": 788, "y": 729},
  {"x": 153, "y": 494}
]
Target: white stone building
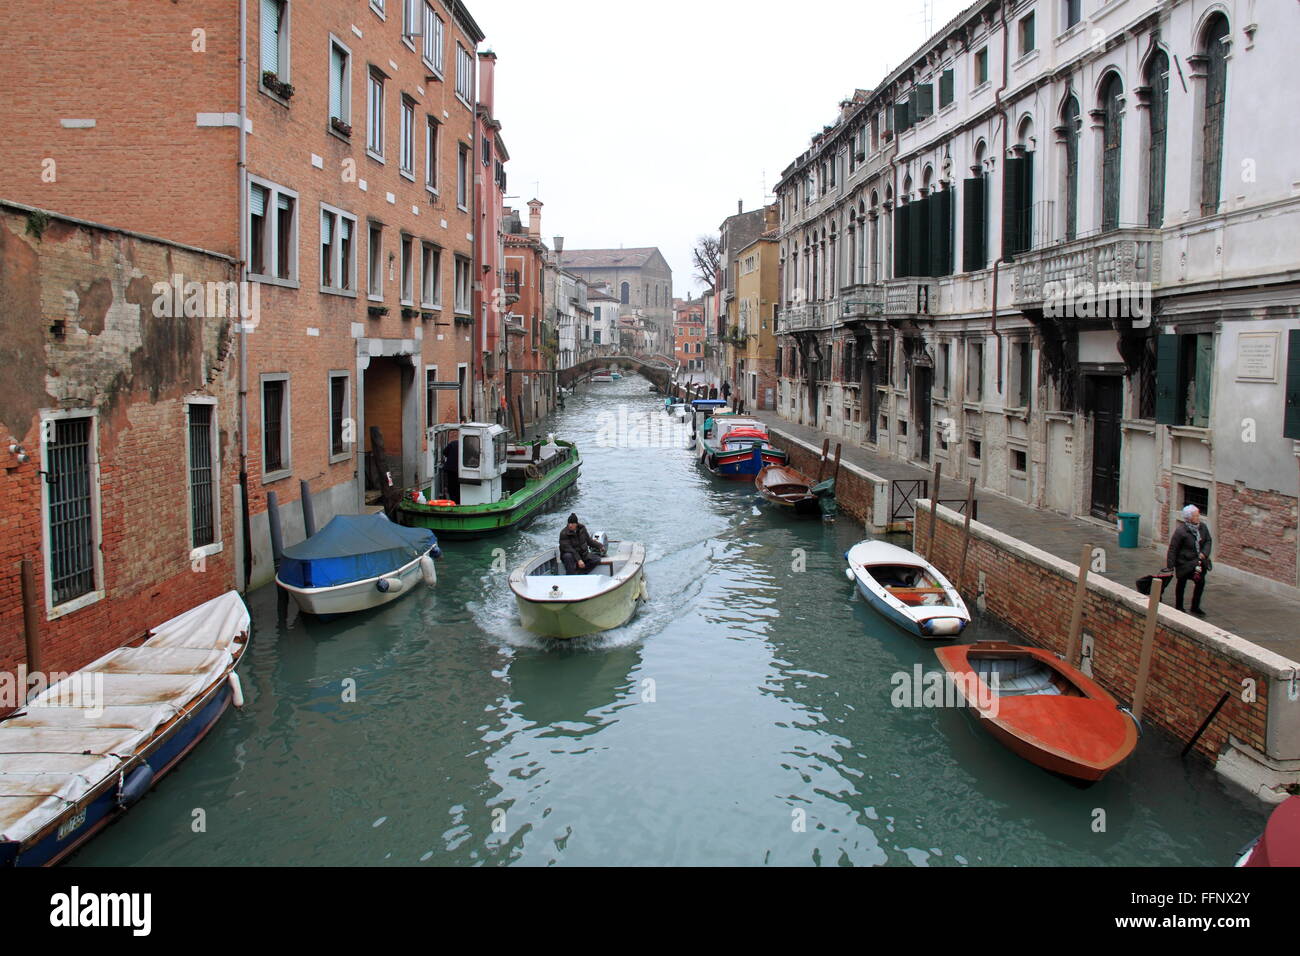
[{"x": 944, "y": 242}]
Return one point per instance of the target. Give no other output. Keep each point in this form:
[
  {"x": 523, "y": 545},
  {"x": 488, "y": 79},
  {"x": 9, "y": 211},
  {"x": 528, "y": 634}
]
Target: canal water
[{"x": 743, "y": 717}]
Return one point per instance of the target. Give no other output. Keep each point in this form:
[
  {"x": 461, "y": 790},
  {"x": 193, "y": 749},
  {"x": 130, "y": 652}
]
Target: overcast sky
[{"x": 643, "y": 124}]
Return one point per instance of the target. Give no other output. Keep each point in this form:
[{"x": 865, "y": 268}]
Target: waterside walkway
[{"x": 1257, "y": 612}]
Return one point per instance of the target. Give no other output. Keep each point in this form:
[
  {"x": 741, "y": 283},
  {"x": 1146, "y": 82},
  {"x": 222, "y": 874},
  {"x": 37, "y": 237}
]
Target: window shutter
[
  {"x": 271, "y": 10},
  {"x": 918, "y": 217},
  {"x": 1291, "y": 419},
  {"x": 934, "y": 237},
  {"x": 257, "y": 200},
  {"x": 1204, "y": 378},
  {"x": 345, "y": 228},
  {"x": 1026, "y": 199},
  {"x": 972, "y": 218},
  {"x": 283, "y": 201},
  {"x": 900, "y": 117},
  {"x": 1167, "y": 380},
  {"x": 913, "y": 107},
  {"x": 1012, "y": 172},
  {"x": 324, "y": 228},
  {"x": 336, "y": 82},
  {"x": 945, "y": 88},
  {"x": 900, "y": 241},
  {"x": 924, "y": 100}
]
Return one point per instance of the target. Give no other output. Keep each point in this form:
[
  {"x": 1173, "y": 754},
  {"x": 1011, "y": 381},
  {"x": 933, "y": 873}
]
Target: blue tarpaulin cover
[{"x": 353, "y": 548}]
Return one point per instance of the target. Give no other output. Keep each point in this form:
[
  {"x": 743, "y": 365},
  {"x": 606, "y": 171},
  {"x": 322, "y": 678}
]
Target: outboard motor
[{"x": 602, "y": 539}]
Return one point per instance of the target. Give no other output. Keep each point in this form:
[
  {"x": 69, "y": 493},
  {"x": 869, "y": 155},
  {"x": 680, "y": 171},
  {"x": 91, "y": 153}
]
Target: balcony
[
  {"x": 809, "y": 317},
  {"x": 911, "y": 296},
  {"x": 511, "y": 285},
  {"x": 862, "y": 302},
  {"x": 1125, "y": 256}
]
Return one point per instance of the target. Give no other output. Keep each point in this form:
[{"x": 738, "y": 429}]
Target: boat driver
[{"x": 577, "y": 550}]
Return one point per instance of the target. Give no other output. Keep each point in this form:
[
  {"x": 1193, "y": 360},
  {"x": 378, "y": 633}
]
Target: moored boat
[
  {"x": 80, "y": 754},
  {"x": 503, "y": 485},
  {"x": 789, "y": 489},
  {"x": 1279, "y": 844},
  {"x": 737, "y": 448},
  {"x": 907, "y": 589},
  {"x": 555, "y": 604},
  {"x": 1041, "y": 708},
  {"x": 357, "y": 562}
]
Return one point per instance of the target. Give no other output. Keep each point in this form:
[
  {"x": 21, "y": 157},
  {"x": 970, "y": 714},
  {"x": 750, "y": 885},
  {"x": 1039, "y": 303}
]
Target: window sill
[
  {"x": 431, "y": 190},
  {"x": 406, "y": 174},
  {"x": 274, "y": 280},
  {"x": 378, "y": 11},
  {"x": 1025, "y": 59},
  {"x": 274, "y": 476},
  {"x": 76, "y": 604},
  {"x": 267, "y": 92},
  {"x": 338, "y": 459},
  {"x": 207, "y": 551},
  {"x": 409, "y": 44},
  {"x": 464, "y": 102},
  {"x": 377, "y": 157},
  {"x": 329, "y": 128},
  {"x": 431, "y": 307},
  {"x": 462, "y": 208},
  {"x": 343, "y": 293},
  {"x": 371, "y": 297},
  {"x": 434, "y": 72},
  {"x": 981, "y": 88}
]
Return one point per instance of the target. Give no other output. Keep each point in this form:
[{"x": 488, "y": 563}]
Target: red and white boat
[{"x": 1043, "y": 709}]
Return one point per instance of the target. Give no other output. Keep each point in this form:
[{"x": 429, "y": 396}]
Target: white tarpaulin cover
[{"x": 83, "y": 730}]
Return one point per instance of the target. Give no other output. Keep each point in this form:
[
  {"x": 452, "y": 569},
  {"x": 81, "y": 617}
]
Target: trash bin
[{"x": 1128, "y": 529}]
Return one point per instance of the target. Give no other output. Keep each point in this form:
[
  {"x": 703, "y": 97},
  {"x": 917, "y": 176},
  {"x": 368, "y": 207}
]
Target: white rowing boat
[
  {"x": 555, "y": 604},
  {"x": 907, "y": 589}
]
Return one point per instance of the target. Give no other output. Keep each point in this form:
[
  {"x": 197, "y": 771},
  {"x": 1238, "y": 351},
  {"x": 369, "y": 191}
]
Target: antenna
[{"x": 927, "y": 18}]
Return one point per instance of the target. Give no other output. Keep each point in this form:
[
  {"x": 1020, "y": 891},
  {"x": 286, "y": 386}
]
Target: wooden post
[
  {"x": 31, "y": 634},
  {"x": 934, "y": 508},
  {"x": 821, "y": 462},
  {"x": 1148, "y": 648},
  {"x": 1076, "y": 614},
  {"x": 965, "y": 533},
  {"x": 838, "y": 447}
]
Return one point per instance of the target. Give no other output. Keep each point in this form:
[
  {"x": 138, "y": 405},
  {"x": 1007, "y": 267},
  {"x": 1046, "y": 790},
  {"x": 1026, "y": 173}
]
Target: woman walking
[{"x": 1189, "y": 556}]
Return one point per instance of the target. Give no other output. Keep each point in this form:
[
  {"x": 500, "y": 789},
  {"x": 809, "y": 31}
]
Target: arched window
[
  {"x": 1215, "y": 49},
  {"x": 1112, "y": 103},
  {"x": 1070, "y": 122},
  {"x": 625, "y": 293},
  {"x": 1157, "y": 79}
]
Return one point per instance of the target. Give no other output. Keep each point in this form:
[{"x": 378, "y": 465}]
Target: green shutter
[
  {"x": 1026, "y": 230},
  {"x": 917, "y": 219},
  {"x": 900, "y": 117},
  {"x": 1167, "y": 380},
  {"x": 945, "y": 88},
  {"x": 972, "y": 220},
  {"x": 1012, "y": 172},
  {"x": 934, "y": 237},
  {"x": 924, "y": 100},
  {"x": 900, "y": 241},
  {"x": 1291, "y": 419},
  {"x": 1204, "y": 379}
]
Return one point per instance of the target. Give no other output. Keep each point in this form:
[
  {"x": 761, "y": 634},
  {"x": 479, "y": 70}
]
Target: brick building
[
  {"x": 753, "y": 369},
  {"x": 335, "y": 164},
  {"x": 531, "y": 357},
  {"x": 118, "y": 410},
  {"x": 689, "y": 334}
]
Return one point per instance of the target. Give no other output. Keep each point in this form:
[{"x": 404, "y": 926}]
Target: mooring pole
[
  {"x": 1076, "y": 613},
  {"x": 1206, "y": 723},
  {"x": 308, "y": 509},
  {"x": 1148, "y": 648},
  {"x": 273, "y": 525},
  {"x": 821, "y": 462},
  {"x": 934, "y": 508},
  {"x": 31, "y": 634},
  {"x": 836, "y": 474},
  {"x": 965, "y": 533}
]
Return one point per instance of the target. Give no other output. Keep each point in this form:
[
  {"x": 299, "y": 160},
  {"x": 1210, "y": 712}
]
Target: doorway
[
  {"x": 1104, "y": 402},
  {"x": 923, "y": 381}
]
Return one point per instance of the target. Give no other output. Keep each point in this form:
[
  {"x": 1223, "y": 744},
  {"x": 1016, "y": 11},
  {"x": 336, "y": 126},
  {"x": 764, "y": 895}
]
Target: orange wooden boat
[
  {"x": 1043, "y": 709},
  {"x": 788, "y": 488}
]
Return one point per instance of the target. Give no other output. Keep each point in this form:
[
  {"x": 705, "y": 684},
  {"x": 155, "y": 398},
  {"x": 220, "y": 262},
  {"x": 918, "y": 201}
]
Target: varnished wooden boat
[
  {"x": 1043, "y": 709},
  {"x": 790, "y": 489}
]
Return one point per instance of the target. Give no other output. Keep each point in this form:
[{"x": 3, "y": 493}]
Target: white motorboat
[
  {"x": 555, "y": 604},
  {"x": 907, "y": 589}
]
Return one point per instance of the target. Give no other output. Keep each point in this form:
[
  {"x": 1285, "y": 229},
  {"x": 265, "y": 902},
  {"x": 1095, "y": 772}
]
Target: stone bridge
[{"x": 655, "y": 368}]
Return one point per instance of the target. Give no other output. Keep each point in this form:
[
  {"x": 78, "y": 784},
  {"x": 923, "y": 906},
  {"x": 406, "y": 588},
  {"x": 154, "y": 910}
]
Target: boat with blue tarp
[{"x": 357, "y": 562}]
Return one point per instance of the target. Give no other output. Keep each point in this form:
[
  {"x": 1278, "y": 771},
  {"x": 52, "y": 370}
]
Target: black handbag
[{"x": 1165, "y": 575}]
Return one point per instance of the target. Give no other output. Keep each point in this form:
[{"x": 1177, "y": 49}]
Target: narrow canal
[{"x": 743, "y": 717}]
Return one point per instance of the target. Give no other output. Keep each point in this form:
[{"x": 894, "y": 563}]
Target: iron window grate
[
  {"x": 201, "y": 510},
  {"x": 72, "y": 555}
]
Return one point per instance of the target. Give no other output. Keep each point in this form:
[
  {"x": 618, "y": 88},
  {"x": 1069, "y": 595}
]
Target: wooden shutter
[
  {"x": 924, "y": 101},
  {"x": 1167, "y": 380},
  {"x": 917, "y": 218},
  {"x": 972, "y": 217},
  {"x": 1026, "y": 202},
  {"x": 913, "y": 107},
  {"x": 1204, "y": 379},
  {"x": 934, "y": 238},
  {"x": 1291, "y": 415},
  {"x": 945, "y": 88},
  {"x": 900, "y": 117},
  {"x": 900, "y": 241},
  {"x": 1012, "y": 172}
]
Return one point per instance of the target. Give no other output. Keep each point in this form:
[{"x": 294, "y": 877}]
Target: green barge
[{"x": 503, "y": 485}]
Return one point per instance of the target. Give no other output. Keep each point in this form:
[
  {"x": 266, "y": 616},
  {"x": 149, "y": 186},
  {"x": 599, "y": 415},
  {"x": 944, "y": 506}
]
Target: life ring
[{"x": 442, "y": 503}]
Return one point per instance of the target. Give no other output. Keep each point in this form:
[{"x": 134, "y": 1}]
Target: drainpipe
[
  {"x": 242, "y": 176},
  {"x": 477, "y": 227},
  {"x": 1002, "y": 115}
]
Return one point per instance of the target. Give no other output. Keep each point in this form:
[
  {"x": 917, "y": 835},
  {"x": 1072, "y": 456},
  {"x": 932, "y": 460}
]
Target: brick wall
[
  {"x": 854, "y": 494},
  {"x": 78, "y": 329},
  {"x": 1033, "y": 593},
  {"x": 1255, "y": 531}
]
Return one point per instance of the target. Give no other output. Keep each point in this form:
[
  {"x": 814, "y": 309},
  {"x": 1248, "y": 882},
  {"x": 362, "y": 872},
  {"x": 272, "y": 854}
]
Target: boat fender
[
  {"x": 134, "y": 786},
  {"x": 848, "y": 573},
  {"x": 236, "y": 690},
  {"x": 429, "y": 571},
  {"x": 389, "y": 585},
  {"x": 442, "y": 503}
]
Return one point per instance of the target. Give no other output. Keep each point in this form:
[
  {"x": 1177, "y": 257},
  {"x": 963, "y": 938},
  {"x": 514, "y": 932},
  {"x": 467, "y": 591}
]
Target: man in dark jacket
[
  {"x": 578, "y": 552},
  {"x": 1189, "y": 556},
  {"x": 451, "y": 470}
]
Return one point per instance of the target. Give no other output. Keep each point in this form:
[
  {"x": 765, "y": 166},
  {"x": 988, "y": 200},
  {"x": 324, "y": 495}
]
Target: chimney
[
  {"x": 487, "y": 64},
  {"x": 535, "y": 218},
  {"x": 740, "y": 207}
]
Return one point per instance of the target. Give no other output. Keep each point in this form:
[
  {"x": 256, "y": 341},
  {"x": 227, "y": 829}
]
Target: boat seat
[{"x": 1033, "y": 683}]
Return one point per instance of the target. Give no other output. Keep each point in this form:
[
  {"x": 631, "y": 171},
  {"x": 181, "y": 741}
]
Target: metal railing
[{"x": 904, "y": 492}]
